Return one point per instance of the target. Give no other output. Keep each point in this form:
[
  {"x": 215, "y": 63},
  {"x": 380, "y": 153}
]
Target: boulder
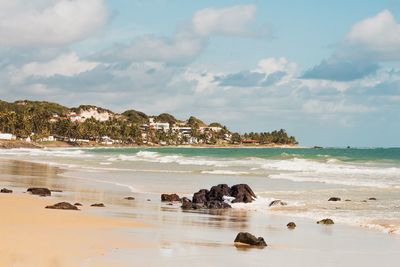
[
  {"x": 62, "y": 206},
  {"x": 218, "y": 192},
  {"x": 215, "y": 204},
  {"x": 325, "y": 221},
  {"x": 170, "y": 197},
  {"x": 186, "y": 204},
  {"x": 372, "y": 198},
  {"x": 41, "y": 191},
  {"x": 277, "y": 203},
  {"x": 6, "y": 191},
  {"x": 291, "y": 225},
  {"x": 129, "y": 198},
  {"x": 201, "y": 196},
  {"x": 335, "y": 199},
  {"x": 100, "y": 205},
  {"x": 242, "y": 193},
  {"x": 249, "y": 239}
]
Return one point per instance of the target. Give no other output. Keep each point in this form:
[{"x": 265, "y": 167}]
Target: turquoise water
[{"x": 345, "y": 154}]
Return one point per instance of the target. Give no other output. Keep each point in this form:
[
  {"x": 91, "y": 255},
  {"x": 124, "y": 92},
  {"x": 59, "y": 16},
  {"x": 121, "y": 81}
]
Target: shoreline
[{"x": 60, "y": 144}]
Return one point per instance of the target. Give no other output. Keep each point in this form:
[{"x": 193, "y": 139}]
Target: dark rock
[
  {"x": 364, "y": 201},
  {"x": 129, "y": 198},
  {"x": 242, "y": 193},
  {"x": 347, "y": 200},
  {"x": 39, "y": 191},
  {"x": 78, "y": 204},
  {"x": 277, "y": 203},
  {"x": 6, "y": 191},
  {"x": 148, "y": 199},
  {"x": 326, "y": 221},
  {"x": 186, "y": 204},
  {"x": 249, "y": 239},
  {"x": 62, "y": 206},
  {"x": 170, "y": 204},
  {"x": 335, "y": 199},
  {"x": 101, "y": 205},
  {"x": 218, "y": 192},
  {"x": 215, "y": 204},
  {"x": 201, "y": 196},
  {"x": 170, "y": 197},
  {"x": 371, "y": 198},
  {"x": 291, "y": 225}
]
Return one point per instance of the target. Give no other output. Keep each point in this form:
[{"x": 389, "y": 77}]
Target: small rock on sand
[
  {"x": 244, "y": 238},
  {"x": 6, "y": 191},
  {"x": 325, "y": 221},
  {"x": 291, "y": 225},
  {"x": 78, "y": 204},
  {"x": 39, "y": 191},
  {"x": 62, "y": 206},
  {"x": 371, "y": 198},
  {"x": 277, "y": 203},
  {"x": 335, "y": 199},
  {"x": 100, "y": 205},
  {"x": 129, "y": 198}
]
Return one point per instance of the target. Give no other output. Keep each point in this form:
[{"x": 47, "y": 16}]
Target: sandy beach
[{"x": 148, "y": 232}]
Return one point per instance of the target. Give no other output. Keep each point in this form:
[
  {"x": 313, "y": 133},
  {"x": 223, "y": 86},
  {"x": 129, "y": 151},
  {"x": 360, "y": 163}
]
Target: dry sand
[{"x": 34, "y": 236}]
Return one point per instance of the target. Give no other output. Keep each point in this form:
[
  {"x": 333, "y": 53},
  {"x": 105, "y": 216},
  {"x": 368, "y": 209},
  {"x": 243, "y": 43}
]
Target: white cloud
[
  {"x": 323, "y": 107},
  {"x": 379, "y": 36},
  {"x": 230, "y": 21},
  {"x": 55, "y": 22},
  {"x": 66, "y": 65}
]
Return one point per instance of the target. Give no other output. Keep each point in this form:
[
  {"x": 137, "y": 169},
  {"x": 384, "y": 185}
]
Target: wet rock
[
  {"x": 62, "y": 206},
  {"x": 277, "y": 203},
  {"x": 218, "y": 192},
  {"x": 291, "y": 225},
  {"x": 249, "y": 239},
  {"x": 41, "y": 191},
  {"x": 371, "y": 198},
  {"x": 201, "y": 196},
  {"x": 170, "y": 197},
  {"x": 6, "y": 191},
  {"x": 100, "y": 205},
  {"x": 148, "y": 199},
  {"x": 335, "y": 199},
  {"x": 186, "y": 204},
  {"x": 347, "y": 200},
  {"x": 325, "y": 221},
  {"x": 215, "y": 204},
  {"x": 364, "y": 201},
  {"x": 242, "y": 193},
  {"x": 129, "y": 198},
  {"x": 78, "y": 204}
]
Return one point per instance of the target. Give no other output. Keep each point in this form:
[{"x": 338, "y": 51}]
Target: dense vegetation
[{"x": 22, "y": 118}]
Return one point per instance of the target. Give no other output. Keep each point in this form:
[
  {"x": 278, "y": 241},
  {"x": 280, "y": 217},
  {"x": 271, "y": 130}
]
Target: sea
[{"x": 367, "y": 180}]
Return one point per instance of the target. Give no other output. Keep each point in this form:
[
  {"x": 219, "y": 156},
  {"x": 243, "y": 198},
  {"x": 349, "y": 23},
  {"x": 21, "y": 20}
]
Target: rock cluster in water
[
  {"x": 215, "y": 197},
  {"x": 62, "y": 206},
  {"x": 39, "y": 191}
]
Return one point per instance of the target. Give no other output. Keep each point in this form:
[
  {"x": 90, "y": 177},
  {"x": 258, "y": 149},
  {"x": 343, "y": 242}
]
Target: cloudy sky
[{"x": 326, "y": 71}]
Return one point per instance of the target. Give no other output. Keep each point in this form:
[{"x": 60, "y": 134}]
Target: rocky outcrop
[
  {"x": 291, "y": 225},
  {"x": 41, "y": 191},
  {"x": 244, "y": 238},
  {"x": 170, "y": 198},
  {"x": 326, "y": 221},
  {"x": 334, "y": 199},
  {"x": 215, "y": 197},
  {"x": 62, "y": 206},
  {"x": 277, "y": 203},
  {"x": 100, "y": 205},
  {"x": 6, "y": 191}
]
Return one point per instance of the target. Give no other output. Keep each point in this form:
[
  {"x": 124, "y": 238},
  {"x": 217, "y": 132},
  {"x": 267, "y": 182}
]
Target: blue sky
[{"x": 327, "y": 72}]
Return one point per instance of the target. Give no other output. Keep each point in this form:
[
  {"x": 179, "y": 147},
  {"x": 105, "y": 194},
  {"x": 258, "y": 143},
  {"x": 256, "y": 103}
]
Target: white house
[{"x": 7, "y": 136}]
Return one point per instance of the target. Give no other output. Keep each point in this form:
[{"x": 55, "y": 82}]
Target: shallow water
[{"x": 304, "y": 178}]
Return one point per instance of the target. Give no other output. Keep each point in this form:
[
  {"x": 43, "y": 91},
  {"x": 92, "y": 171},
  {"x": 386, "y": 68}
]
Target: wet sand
[{"x": 151, "y": 233}]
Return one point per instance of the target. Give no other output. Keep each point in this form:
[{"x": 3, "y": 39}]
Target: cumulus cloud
[
  {"x": 52, "y": 23},
  {"x": 233, "y": 20},
  {"x": 369, "y": 42},
  {"x": 188, "y": 42}
]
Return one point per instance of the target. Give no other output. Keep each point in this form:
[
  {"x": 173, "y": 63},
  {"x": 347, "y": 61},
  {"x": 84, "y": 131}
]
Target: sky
[{"x": 326, "y": 71}]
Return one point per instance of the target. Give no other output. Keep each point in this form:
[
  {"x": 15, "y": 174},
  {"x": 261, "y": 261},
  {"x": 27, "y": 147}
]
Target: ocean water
[{"x": 305, "y": 178}]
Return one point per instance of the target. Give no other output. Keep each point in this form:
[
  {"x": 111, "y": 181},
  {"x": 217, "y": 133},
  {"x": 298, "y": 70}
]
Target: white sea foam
[{"x": 225, "y": 172}]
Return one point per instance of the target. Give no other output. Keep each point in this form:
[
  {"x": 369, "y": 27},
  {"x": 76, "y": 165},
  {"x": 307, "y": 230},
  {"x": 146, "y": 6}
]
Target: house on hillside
[{"x": 7, "y": 136}]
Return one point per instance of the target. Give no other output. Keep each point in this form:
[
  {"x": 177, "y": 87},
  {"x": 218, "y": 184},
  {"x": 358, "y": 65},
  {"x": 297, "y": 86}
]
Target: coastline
[
  {"x": 174, "y": 236},
  {"x": 60, "y": 144}
]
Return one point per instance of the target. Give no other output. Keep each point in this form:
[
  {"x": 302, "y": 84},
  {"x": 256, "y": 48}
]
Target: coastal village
[{"x": 50, "y": 123}]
